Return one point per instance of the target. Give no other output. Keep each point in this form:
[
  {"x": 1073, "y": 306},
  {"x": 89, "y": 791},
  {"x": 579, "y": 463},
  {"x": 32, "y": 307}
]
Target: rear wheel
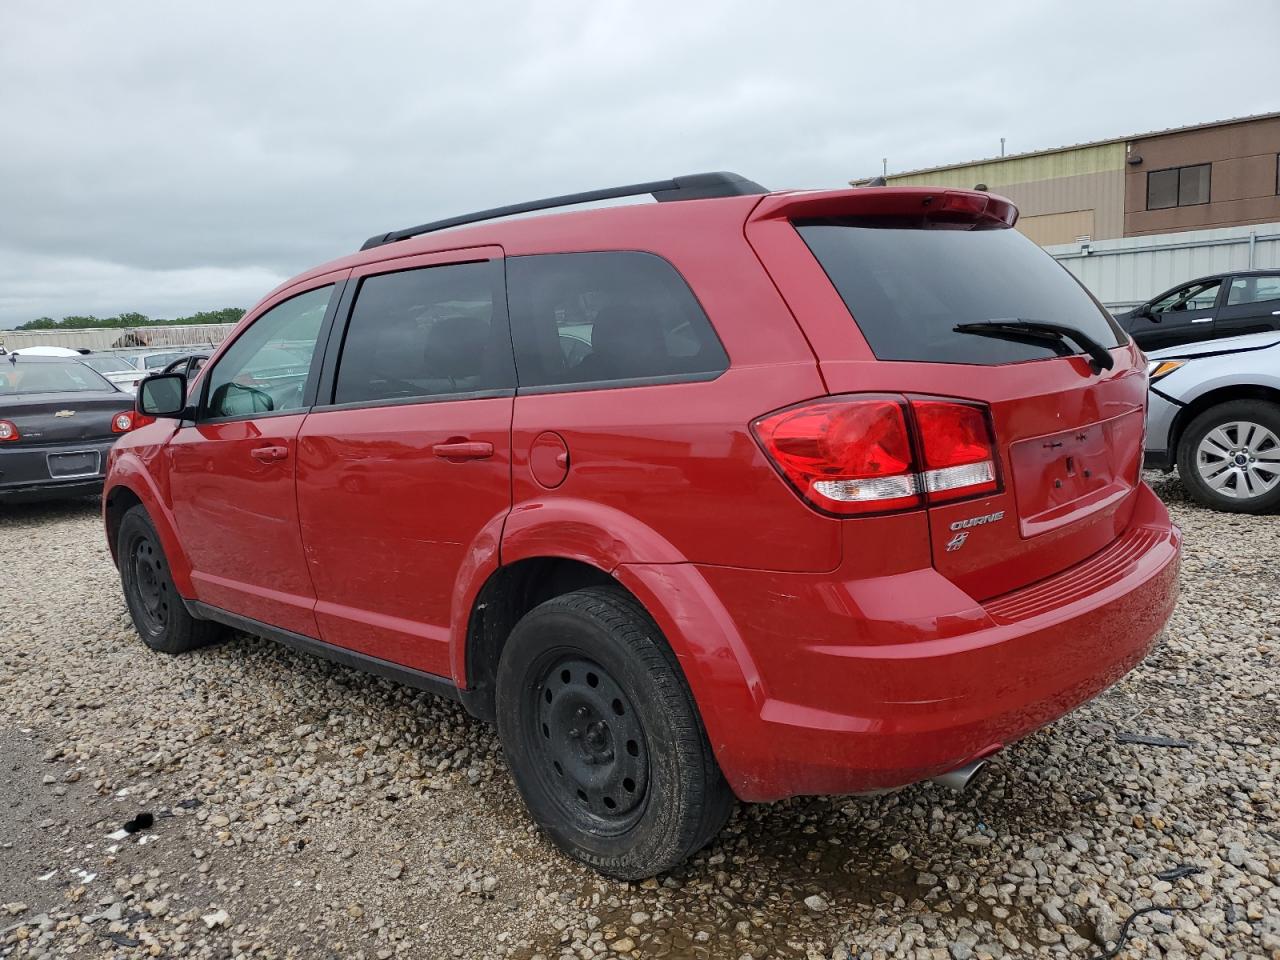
[
  {"x": 158, "y": 612},
  {"x": 1229, "y": 456},
  {"x": 603, "y": 738}
]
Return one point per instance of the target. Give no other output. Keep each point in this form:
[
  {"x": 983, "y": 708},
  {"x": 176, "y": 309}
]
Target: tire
[
  {"x": 602, "y": 736},
  {"x": 159, "y": 615},
  {"x": 1229, "y": 456}
]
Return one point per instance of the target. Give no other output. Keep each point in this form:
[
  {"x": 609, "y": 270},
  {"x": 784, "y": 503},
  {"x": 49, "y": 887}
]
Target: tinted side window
[
  {"x": 265, "y": 370},
  {"x": 601, "y": 317},
  {"x": 424, "y": 333},
  {"x": 1253, "y": 290}
]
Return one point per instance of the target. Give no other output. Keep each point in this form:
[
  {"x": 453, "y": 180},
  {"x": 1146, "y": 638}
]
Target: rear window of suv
[
  {"x": 907, "y": 289},
  {"x": 613, "y": 318}
]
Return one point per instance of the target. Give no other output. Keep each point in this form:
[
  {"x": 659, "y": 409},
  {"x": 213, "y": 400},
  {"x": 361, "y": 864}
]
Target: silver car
[{"x": 1214, "y": 413}]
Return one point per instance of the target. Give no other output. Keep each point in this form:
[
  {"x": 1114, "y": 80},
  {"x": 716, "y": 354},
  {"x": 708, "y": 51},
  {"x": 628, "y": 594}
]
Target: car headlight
[{"x": 1157, "y": 369}]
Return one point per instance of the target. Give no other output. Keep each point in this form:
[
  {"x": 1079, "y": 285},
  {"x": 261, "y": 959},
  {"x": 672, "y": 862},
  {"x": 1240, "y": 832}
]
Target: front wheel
[
  {"x": 1229, "y": 456},
  {"x": 158, "y": 612},
  {"x": 603, "y": 738}
]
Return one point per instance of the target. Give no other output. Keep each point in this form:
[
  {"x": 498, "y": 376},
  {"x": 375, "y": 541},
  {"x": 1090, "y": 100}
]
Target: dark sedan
[
  {"x": 58, "y": 419},
  {"x": 1210, "y": 308}
]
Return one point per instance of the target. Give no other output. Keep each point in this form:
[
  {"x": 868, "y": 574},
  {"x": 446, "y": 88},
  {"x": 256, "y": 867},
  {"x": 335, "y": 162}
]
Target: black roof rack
[{"x": 694, "y": 186}]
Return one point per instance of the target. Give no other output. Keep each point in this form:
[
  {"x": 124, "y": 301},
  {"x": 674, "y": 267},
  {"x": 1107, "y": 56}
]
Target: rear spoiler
[{"x": 934, "y": 207}]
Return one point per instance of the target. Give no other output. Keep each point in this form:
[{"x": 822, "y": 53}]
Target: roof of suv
[
  {"x": 635, "y": 226},
  {"x": 569, "y": 231}
]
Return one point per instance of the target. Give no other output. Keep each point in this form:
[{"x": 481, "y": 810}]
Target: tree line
[{"x": 225, "y": 315}]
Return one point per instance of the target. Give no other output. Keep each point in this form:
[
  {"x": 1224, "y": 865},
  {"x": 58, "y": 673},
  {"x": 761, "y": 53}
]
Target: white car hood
[{"x": 1250, "y": 341}]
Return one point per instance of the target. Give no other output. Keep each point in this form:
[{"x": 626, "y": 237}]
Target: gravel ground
[{"x": 299, "y": 809}]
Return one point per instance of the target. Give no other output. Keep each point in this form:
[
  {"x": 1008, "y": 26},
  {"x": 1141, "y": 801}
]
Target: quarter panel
[{"x": 667, "y": 473}]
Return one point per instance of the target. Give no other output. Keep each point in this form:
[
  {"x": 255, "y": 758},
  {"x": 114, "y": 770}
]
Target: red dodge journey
[{"x": 738, "y": 494}]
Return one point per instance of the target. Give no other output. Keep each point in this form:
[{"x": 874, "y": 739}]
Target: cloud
[
  {"x": 241, "y": 140},
  {"x": 30, "y": 282}
]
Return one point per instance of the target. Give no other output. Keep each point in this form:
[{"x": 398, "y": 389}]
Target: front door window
[{"x": 265, "y": 370}]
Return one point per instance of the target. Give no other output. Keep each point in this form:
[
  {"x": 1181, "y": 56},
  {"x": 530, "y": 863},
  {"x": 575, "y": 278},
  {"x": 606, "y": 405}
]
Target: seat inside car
[{"x": 622, "y": 345}]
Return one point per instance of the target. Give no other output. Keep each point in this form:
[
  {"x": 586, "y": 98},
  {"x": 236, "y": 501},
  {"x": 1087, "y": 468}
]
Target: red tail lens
[
  {"x": 129, "y": 420},
  {"x": 844, "y": 456},
  {"x": 854, "y": 455},
  {"x": 957, "y": 447},
  {"x": 8, "y": 431}
]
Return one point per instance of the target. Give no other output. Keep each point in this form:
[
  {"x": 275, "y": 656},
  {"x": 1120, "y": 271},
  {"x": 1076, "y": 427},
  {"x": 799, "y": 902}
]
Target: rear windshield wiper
[{"x": 1100, "y": 358}]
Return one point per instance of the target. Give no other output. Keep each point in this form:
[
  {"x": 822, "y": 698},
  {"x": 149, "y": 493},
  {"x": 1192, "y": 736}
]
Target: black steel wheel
[
  {"x": 158, "y": 613},
  {"x": 150, "y": 579},
  {"x": 603, "y": 738},
  {"x": 594, "y": 747}
]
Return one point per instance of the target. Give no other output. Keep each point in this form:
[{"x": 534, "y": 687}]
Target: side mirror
[
  {"x": 162, "y": 395},
  {"x": 1146, "y": 313}
]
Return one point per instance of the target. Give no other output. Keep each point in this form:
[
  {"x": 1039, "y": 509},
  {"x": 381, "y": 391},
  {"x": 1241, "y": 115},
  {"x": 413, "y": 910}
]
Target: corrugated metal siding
[
  {"x": 1045, "y": 166},
  {"x": 118, "y": 337},
  {"x": 1131, "y": 270}
]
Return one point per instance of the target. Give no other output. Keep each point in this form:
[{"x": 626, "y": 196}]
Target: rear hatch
[{"x": 881, "y": 279}]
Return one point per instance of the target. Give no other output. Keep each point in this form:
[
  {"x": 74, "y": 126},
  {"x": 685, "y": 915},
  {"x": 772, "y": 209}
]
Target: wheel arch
[
  {"x": 726, "y": 687},
  {"x": 1212, "y": 398},
  {"x": 129, "y": 486},
  {"x": 508, "y": 593}
]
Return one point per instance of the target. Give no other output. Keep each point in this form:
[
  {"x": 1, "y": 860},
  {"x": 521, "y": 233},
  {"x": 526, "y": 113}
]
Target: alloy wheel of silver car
[{"x": 1239, "y": 459}]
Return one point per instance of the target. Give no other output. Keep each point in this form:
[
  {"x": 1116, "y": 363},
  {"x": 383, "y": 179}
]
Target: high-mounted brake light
[
  {"x": 9, "y": 431},
  {"x": 856, "y": 454},
  {"x": 976, "y": 208}
]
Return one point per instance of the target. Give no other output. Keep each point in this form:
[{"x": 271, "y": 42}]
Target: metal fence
[
  {"x": 1126, "y": 272},
  {"x": 119, "y": 338}
]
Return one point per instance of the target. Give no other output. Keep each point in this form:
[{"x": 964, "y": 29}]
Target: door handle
[
  {"x": 269, "y": 454},
  {"x": 463, "y": 450},
  {"x": 1202, "y": 319}
]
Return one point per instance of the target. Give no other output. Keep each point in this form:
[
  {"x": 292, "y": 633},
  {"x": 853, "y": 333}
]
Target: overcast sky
[{"x": 172, "y": 157}]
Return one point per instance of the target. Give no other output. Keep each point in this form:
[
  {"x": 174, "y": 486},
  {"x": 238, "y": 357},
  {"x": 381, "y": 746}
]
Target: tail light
[
  {"x": 8, "y": 431},
  {"x": 128, "y": 420},
  {"x": 957, "y": 449},
  {"x": 871, "y": 454}
]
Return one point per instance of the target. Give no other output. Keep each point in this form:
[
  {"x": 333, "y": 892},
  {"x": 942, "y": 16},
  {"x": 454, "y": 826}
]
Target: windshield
[
  {"x": 908, "y": 288},
  {"x": 19, "y": 379},
  {"x": 109, "y": 364}
]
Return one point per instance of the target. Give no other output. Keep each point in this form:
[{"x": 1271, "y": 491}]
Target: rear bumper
[
  {"x": 861, "y": 708},
  {"x": 25, "y": 474}
]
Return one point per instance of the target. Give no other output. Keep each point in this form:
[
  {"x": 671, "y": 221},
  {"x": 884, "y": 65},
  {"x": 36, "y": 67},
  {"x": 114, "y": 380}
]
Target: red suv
[{"x": 743, "y": 494}]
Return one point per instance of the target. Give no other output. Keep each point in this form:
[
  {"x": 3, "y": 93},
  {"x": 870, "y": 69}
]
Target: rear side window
[
  {"x": 430, "y": 332},
  {"x": 1253, "y": 290},
  {"x": 604, "y": 318},
  {"x": 908, "y": 288}
]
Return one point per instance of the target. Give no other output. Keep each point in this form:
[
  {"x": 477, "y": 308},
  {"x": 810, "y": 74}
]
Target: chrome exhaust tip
[{"x": 959, "y": 778}]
